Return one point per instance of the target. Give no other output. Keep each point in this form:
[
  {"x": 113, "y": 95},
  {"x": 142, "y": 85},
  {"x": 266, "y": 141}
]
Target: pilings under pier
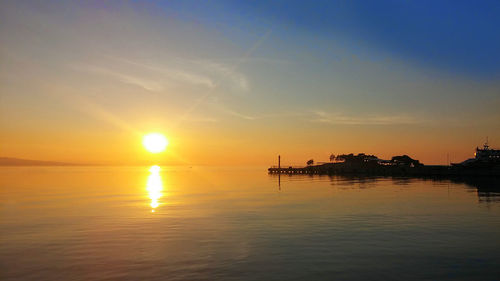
[{"x": 291, "y": 170}]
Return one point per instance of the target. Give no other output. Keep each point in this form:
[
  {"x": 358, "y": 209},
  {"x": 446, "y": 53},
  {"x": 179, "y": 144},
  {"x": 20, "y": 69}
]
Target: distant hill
[{"x": 8, "y": 161}]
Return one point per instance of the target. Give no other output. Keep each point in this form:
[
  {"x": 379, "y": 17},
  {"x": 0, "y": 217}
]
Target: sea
[{"x": 241, "y": 223}]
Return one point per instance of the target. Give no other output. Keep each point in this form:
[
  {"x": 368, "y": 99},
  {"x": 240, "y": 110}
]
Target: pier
[
  {"x": 362, "y": 164},
  {"x": 345, "y": 168},
  {"x": 342, "y": 169}
]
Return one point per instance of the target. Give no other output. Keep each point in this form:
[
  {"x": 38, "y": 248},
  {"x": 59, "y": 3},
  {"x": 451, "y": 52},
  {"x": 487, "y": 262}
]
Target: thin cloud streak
[
  {"x": 236, "y": 79},
  {"x": 341, "y": 119},
  {"x": 232, "y": 70},
  {"x": 160, "y": 77},
  {"x": 175, "y": 73},
  {"x": 200, "y": 119},
  {"x": 235, "y": 113},
  {"x": 208, "y": 73},
  {"x": 146, "y": 84}
]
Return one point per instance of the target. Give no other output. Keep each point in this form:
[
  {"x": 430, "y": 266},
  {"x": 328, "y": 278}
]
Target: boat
[{"x": 483, "y": 158}]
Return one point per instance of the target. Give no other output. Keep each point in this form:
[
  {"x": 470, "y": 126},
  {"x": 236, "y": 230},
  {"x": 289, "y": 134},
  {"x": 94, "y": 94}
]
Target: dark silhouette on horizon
[{"x": 485, "y": 163}]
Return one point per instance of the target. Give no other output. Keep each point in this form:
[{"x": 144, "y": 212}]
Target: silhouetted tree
[
  {"x": 310, "y": 162},
  {"x": 360, "y": 158},
  {"x": 344, "y": 157},
  {"x": 332, "y": 157}
]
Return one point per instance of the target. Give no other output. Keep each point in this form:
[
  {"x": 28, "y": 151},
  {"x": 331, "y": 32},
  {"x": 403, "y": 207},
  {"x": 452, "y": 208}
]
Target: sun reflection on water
[{"x": 154, "y": 186}]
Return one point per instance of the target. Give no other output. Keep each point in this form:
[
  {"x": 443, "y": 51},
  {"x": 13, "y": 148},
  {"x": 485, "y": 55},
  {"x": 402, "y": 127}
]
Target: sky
[{"x": 239, "y": 82}]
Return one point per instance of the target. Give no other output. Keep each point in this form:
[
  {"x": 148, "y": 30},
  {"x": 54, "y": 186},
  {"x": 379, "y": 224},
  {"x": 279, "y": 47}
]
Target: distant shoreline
[{"x": 18, "y": 162}]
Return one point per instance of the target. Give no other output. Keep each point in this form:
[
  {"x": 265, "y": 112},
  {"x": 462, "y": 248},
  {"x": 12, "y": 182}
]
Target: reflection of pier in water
[{"x": 488, "y": 188}]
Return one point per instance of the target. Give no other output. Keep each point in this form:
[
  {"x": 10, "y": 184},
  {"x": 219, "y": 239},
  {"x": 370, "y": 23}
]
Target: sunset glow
[
  {"x": 249, "y": 140},
  {"x": 155, "y": 142},
  {"x": 300, "y": 89}
]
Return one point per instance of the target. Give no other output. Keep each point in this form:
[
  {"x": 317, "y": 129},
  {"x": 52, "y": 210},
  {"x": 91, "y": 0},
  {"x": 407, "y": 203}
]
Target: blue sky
[{"x": 456, "y": 36}]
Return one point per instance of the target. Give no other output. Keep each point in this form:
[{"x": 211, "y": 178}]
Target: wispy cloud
[
  {"x": 225, "y": 74},
  {"x": 156, "y": 77},
  {"x": 175, "y": 72},
  {"x": 199, "y": 119},
  {"x": 341, "y": 119},
  {"x": 230, "y": 71},
  {"x": 228, "y": 111},
  {"x": 139, "y": 81},
  {"x": 238, "y": 114}
]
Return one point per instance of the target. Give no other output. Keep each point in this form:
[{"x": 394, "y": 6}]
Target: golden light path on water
[{"x": 154, "y": 186}]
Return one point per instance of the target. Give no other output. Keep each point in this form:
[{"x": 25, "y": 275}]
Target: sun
[{"x": 155, "y": 142}]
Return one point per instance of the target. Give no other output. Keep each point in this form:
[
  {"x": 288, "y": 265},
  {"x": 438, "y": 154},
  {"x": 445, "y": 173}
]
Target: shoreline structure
[{"x": 485, "y": 163}]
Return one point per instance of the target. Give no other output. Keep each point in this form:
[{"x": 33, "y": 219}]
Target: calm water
[{"x": 103, "y": 223}]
